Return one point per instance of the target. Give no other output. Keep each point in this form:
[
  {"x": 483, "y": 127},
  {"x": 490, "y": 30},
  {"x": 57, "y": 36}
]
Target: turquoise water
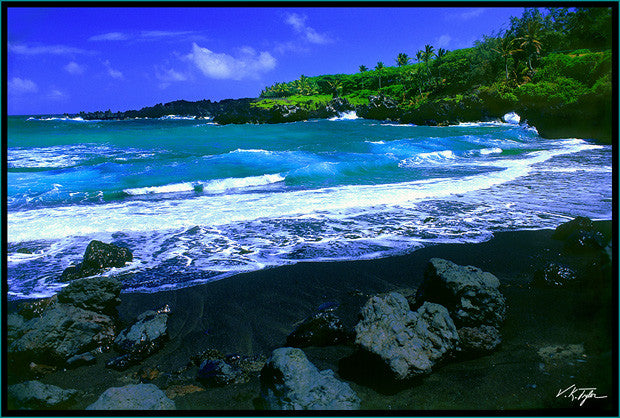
[{"x": 196, "y": 201}]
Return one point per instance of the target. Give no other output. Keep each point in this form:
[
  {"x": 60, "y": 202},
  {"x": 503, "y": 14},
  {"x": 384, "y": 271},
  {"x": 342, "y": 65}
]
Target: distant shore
[{"x": 252, "y": 314}]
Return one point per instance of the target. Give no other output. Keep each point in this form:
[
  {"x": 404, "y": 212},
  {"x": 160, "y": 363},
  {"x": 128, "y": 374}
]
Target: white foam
[
  {"x": 436, "y": 157},
  {"x": 218, "y": 185},
  {"x": 511, "y": 118},
  {"x": 488, "y": 151},
  {"x": 350, "y": 115},
  {"x": 177, "y": 117},
  {"x": 220, "y": 209}
]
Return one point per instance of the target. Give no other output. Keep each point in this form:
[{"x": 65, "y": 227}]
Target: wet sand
[{"x": 552, "y": 338}]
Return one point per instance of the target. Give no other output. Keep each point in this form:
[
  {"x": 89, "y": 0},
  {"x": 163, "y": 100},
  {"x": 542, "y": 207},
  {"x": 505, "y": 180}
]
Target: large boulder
[
  {"x": 140, "y": 397},
  {"x": 478, "y": 340},
  {"x": 146, "y": 336},
  {"x": 98, "y": 294},
  {"x": 322, "y": 328},
  {"x": 471, "y": 295},
  {"x": 379, "y": 107},
  {"x": 289, "y": 381},
  {"x": 98, "y": 257},
  {"x": 580, "y": 223},
  {"x": 36, "y": 395},
  {"x": 409, "y": 343},
  {"x": 554, "y": 275},
  {"x": 61, "y": 332}
]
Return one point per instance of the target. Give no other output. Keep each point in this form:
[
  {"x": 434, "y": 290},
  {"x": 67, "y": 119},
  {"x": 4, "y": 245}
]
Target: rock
[
  {"x": 141, "y": 397},
  {"x": 83, "y": 359},
  {"x": 23, "y": 251},
  {"x": 289, "y": 381},
  {"x": 482, "y": 339},
  {"x": 471, "y": 295},
  {"x": 580, "y": 223},
  {"x": 218, "y": 373},
  {"x": 410, "y": 343},
  {"x": 140, "y": 340},
  {"x": 39, "y": 370},
  {"x": 36, "y": 395},
  {"x": 554, "y": 275},
  {"x": 585, "y": 241},
  {"x": 321, "y": 329},
  {"x": 62, "y": 332},
  {"x": 379, "y": 107},
  {"x": 182, "y": 390},
  {"x": 36, "y": 308},
  {"x": 97, "y": 257},
  {"x": 14, "y": 326},
  {"x": 98, "y": 294},
  {"x": 147, "y": 374}
]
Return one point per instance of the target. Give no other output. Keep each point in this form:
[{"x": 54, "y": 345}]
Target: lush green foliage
[{"x": 555, "y": 56}]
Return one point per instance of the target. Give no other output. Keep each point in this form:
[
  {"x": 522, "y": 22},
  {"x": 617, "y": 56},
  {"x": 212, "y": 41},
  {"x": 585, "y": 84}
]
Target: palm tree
[
  {"x": 530, "y": 42},
  {"x": 402, "y": 59},
  {"x": 363, "y": 68},
  {"x": 419, "y": 56},
  {"x": 506, "y": 48},
  {"x": 440, "y": 54},
  {"x": 379, "y": 69},
  {"x": 428, "y": 53},
  {"x": 334, "y": 85}
]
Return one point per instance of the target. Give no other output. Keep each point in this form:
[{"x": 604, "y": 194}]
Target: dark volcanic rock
[
  {"x": 585, "y": 241},
  {"x": 320, "y": 329},
  {"x": 81, "y": 360},
  {"x": 554, "y": 275},
  {"x": 36, "y": 395},
  {"x": 98, "y": 294},
  {"x": 62, "y": 332},
  {"x": 580, "y": 223},
  {"x": 218, "y": 373},
  {"x": 476, "y": 340},
  {"x": 36, "y": 308},
  {"x": 141, "y": 340},
  {"x": 379, "y": 107},
  {"x": 97, "y": 257},
  {"x": 141, "y": 397},
  {"x": 409, "y": 343},
  {"x": 290, "y": 382},
  {"x": 471, "y": 295}
]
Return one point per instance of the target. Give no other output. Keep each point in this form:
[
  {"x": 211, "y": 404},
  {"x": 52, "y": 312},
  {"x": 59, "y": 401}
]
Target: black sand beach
[{"x": 252, "y": 314}]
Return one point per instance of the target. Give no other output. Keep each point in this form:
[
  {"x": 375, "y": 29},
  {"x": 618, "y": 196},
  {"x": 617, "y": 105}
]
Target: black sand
[{"x": 252, "y": 313}]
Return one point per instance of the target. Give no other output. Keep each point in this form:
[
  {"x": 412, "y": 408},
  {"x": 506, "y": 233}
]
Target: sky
[{"x": 65, "y": 60}]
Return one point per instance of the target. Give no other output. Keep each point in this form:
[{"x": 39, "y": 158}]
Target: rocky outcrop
[
  {"x": 320, "y": 329},
  {"x": 61, "y": 332},
  {"x": 98, "y": 257},
  {"x": 217, "y": 369},
  {"x": 98, "y": 294},
  {"x": 146, "y": 336},
  {"x": 36, "y": 395},
  {"x": 380, "y": 107},
  {"x": 410, "y": 343},
  {"x": 553, "y": 275},
  {"x": 289, "y": 381},
  {"x": 471, "y": 295},
  {"x": 140, "y": 397}
]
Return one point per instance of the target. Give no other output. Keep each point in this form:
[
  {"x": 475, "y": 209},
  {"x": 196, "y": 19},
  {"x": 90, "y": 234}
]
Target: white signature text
[{"x": 579, "y": 394}]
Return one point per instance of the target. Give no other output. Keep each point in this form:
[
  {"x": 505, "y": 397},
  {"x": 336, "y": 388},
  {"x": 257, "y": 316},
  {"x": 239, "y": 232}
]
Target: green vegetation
[{"x": 552, "y": 56}]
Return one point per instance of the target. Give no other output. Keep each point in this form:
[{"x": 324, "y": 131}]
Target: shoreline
[{"x": 252, "y": 314}]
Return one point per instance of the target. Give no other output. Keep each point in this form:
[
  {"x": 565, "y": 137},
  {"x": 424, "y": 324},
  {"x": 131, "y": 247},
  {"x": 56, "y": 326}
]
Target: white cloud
[
  {"x": 249, "y": 64},
  {"x": 169, "y": 76},
  {"x": 298, "y": 22},
  {"x": 112, "y": 72},
  {"x": 56, "y": 94},
  {"x": 110, "y": 36},
  {"x": 18, "y": 86},
  {"x": 466, "y": 15},
  {"x": 443, "y": 41},
  {"x": 146, "y": 35},
  {"x": 24, "y": 49},
  {"x": 75, "y": 68}
]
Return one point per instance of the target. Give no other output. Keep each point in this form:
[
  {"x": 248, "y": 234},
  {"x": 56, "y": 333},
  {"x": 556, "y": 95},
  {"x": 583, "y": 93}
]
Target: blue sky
[{"x": 71, "y": 59}]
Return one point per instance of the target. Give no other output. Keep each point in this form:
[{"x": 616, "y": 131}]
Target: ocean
[{"x": 196, "y": 201}]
